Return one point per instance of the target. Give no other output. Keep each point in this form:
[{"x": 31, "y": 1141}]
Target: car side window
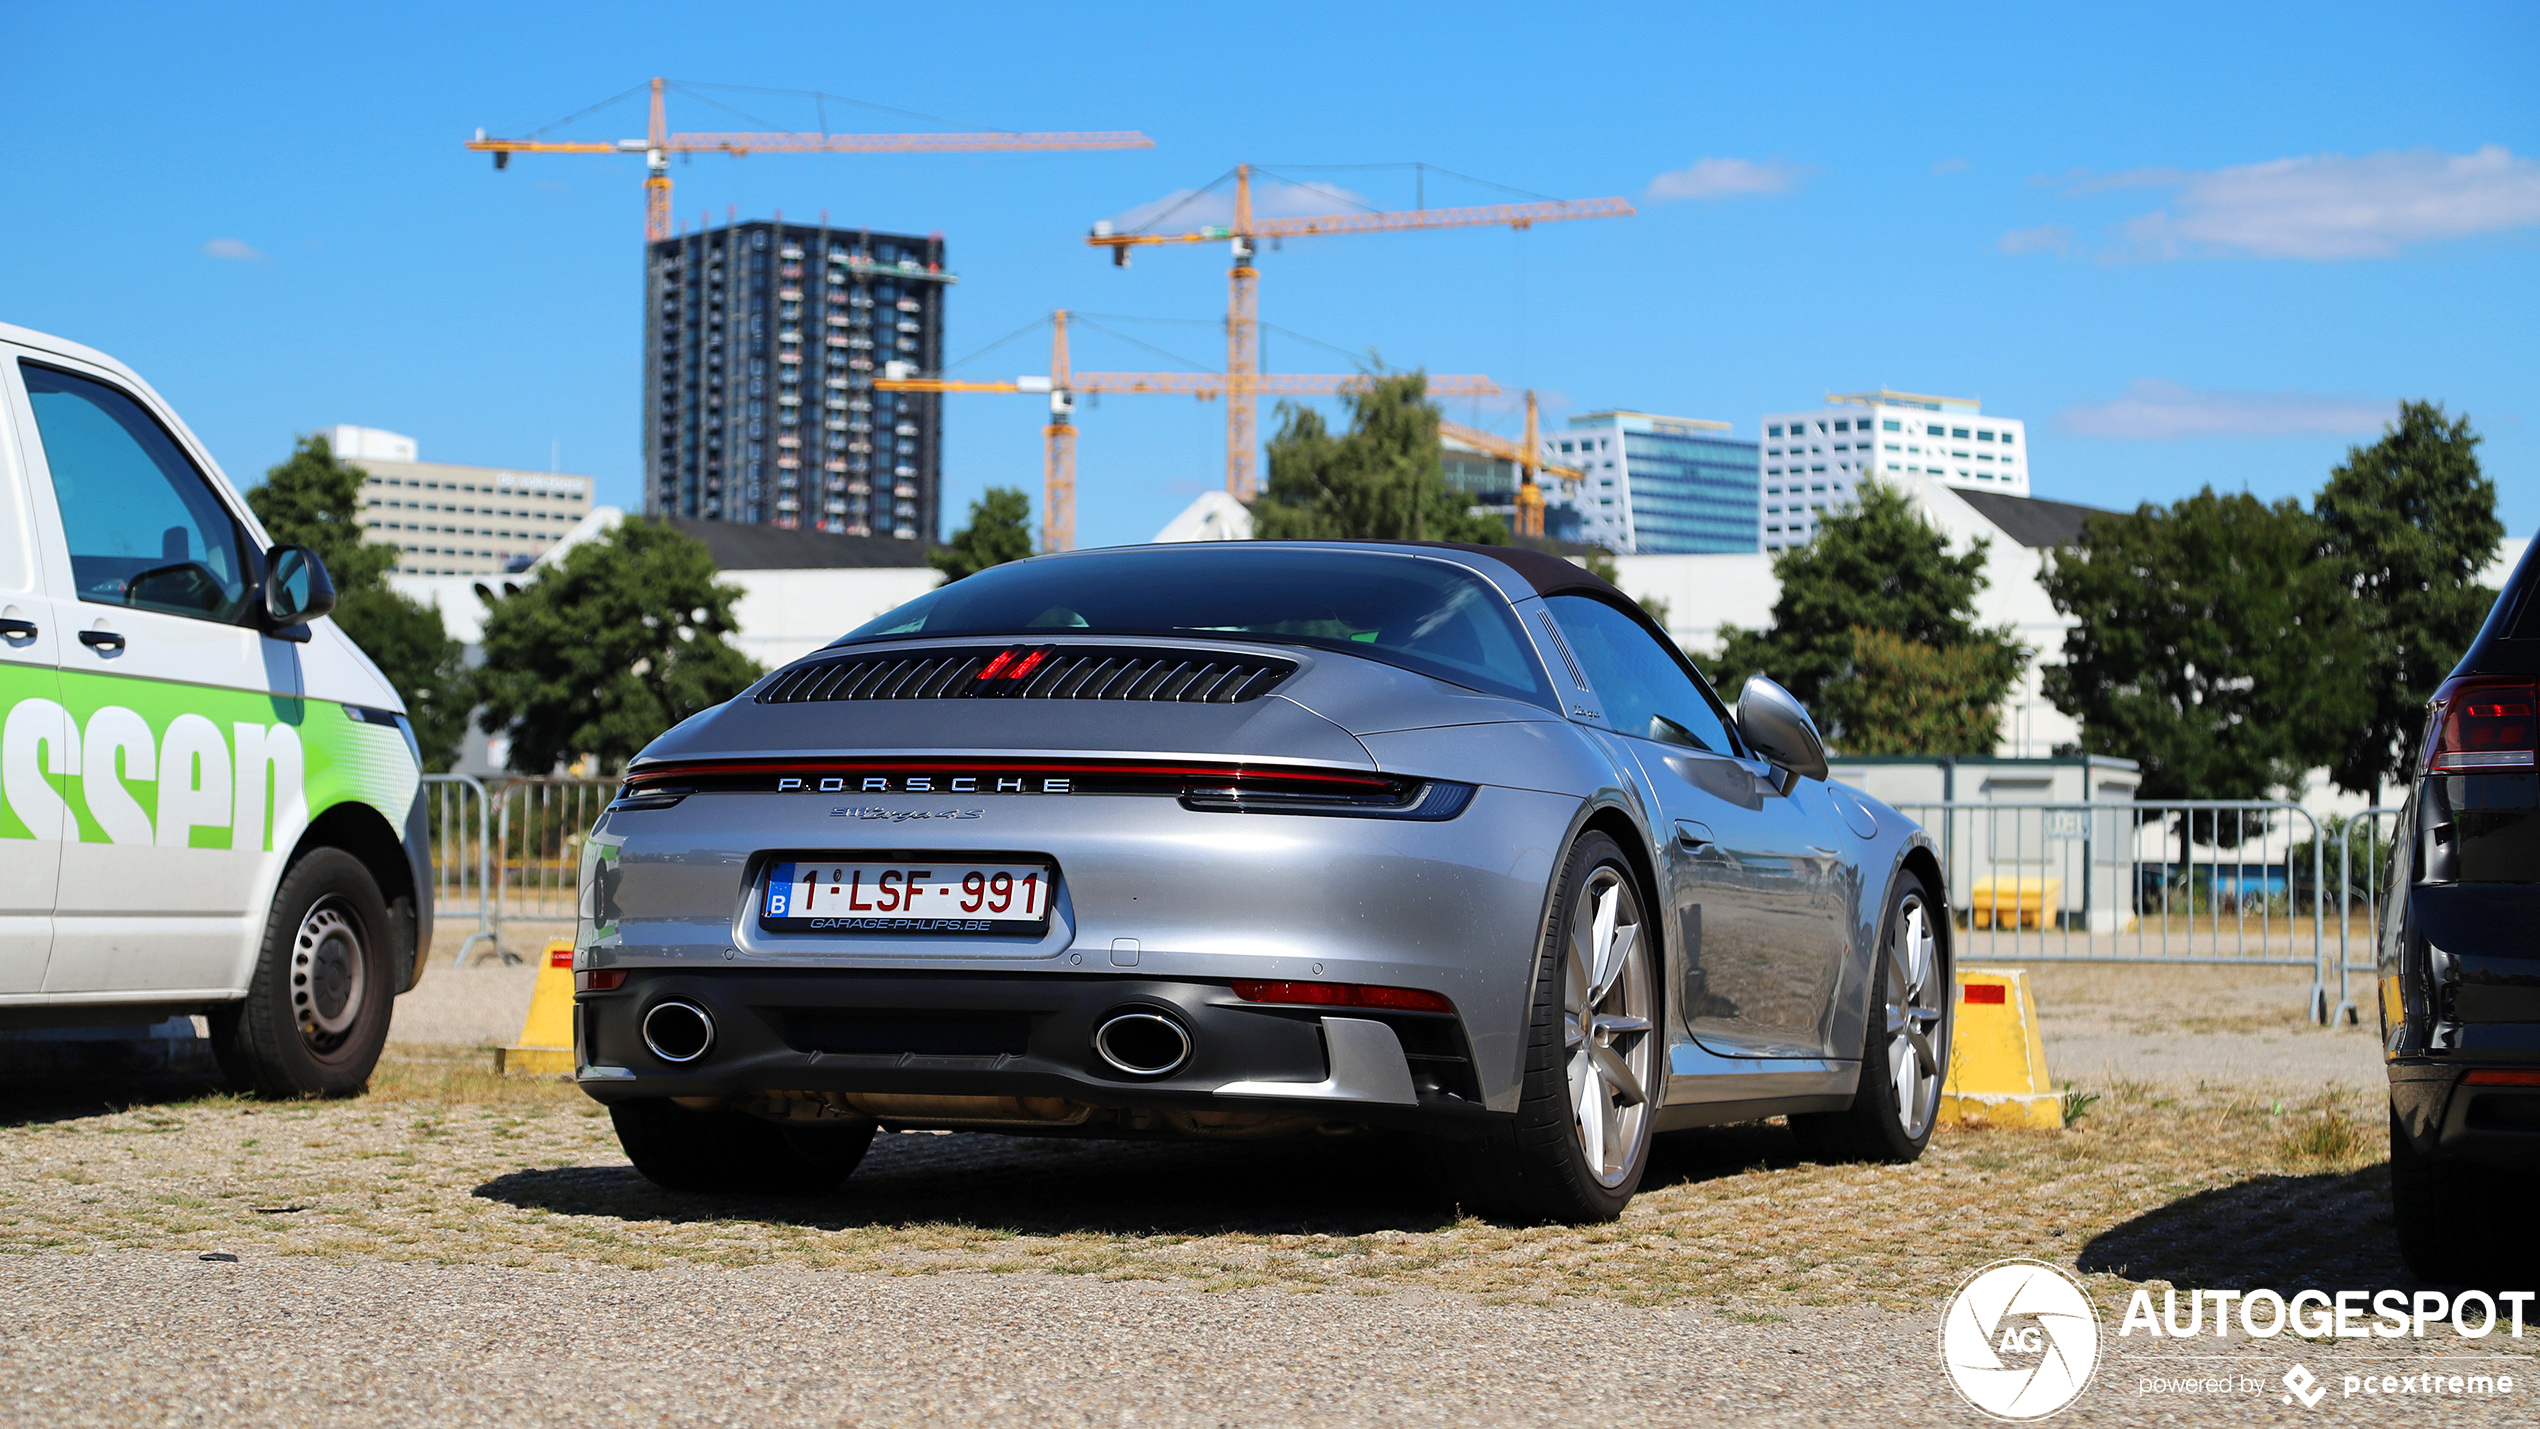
[
  {"x": 1645, "y": 690},
  {"x": 143, "y": 526}
]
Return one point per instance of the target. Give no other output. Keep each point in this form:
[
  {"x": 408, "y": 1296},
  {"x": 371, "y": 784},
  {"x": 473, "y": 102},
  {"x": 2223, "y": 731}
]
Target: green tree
[
  {"x": 607, "y": 648},
  {"x": 2409, "y": 523},
  {"x": 314, "y": 500},
  {"x": 1383, "y": 479},
  {"x": 1875, "y": 567},
  {"x": 1901, "y": 696},
  {"x": 2212, "y": 645},
  {"x": 999, "y": 531}
]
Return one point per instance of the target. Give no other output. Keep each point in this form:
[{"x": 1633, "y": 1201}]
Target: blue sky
[{"x": 2188, "y": 244}]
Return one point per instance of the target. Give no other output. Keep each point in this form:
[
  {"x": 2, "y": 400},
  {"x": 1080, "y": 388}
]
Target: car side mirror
[
  {"x": 297, "y": 590},
  {"x": 1774, "y": 721}
]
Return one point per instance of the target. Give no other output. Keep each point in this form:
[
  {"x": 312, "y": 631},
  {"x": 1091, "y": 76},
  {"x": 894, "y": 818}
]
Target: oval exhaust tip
[
  {"x": 1143, "y": 1044},
  {"x": 678, "y": 1032}
]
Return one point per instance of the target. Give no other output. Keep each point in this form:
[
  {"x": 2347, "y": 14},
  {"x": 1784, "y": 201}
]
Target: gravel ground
[
  {"x": 480, "y": 1005},
  {"x": 457, "y": 1249},
  {"x": 2190, "y": 1025},
  {"x": 135, "y": 1338}
]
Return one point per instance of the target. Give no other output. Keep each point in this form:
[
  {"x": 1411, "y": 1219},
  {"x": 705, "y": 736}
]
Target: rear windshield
[{"x": 1421, "y": 614}]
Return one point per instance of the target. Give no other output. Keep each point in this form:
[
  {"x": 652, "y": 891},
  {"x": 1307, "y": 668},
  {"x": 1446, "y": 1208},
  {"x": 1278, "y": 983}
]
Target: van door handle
[
  {"x": 16, "y": 629},
  {"x": 105, "y": 640}
]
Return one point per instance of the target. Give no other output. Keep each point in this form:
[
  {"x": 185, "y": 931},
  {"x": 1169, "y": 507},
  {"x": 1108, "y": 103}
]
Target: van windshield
[{"x": 1416, "y": 612}]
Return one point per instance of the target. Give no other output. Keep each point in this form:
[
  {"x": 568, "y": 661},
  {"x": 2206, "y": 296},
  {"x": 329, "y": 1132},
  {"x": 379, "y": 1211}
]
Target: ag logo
[{"x": 2019, "y": 1340}]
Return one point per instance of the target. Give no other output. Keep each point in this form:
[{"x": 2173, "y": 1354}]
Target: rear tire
[
  {"x": 2425, "y": 1211},
  {"x": 317, "y": 1008},
  {"x": 682, "y": 1150},
  {"x": 1579, "y": 1144},
  {"x": 2447, "y": 1213},
  {"x": 1905, "y": 1052}
]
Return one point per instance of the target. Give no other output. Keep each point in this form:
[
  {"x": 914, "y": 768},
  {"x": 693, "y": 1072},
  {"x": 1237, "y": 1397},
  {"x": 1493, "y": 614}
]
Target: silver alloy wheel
[
  {"x": 328, "y": 974},
  {"x": 1605, "y": 1025},
  {"x": 1914, "y": 1013}
]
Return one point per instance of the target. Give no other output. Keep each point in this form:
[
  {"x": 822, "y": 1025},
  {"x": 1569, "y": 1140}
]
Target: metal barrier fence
[
  {"x": 2188, "y": 881},
  {"x": 2192, "y": 881},
  {"x": 509, "y": 852},
  {"x": 2363, "y": 881},
  {"x": 459, "y": 819}
]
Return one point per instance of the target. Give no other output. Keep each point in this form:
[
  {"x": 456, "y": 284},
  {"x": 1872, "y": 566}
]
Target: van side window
[
  {"x": 1645, "y": 690},
  {"x": 143, "y": 526}
]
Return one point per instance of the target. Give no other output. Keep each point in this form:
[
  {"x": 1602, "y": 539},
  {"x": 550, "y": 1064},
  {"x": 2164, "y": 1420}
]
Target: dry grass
[{"x": 446, "y": 1162}]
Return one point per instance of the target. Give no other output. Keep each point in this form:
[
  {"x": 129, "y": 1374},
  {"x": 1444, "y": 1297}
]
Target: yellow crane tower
[
  {"x": 1243, "y": 235},
  {"x": 1527, "y": 454},
  {"x": 1058, "y": 439},
  {"x": 658, "y": 144}
]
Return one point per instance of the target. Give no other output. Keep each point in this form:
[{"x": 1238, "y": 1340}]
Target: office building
[
  {"x": 1488, "y": 485},
  {"x": 1813, "y": 461},
  {"x": 761, "y": 344},
  {"x": 1656, "y": 485},
  {"x": 448, "y": 520}
]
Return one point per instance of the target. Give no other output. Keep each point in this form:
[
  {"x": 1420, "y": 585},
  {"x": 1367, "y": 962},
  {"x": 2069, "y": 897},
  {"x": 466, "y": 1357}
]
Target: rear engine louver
[{"x": 1032, "y": 672}]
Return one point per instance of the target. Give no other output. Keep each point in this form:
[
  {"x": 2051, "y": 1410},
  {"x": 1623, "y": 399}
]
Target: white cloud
[
  {"x": 1950, "y": 166},
  {"x": 235, "y": 250},
  {"x": 2045, "y": 238},
  {"x": 1186, "y": 209},
  {"x": 2329, "y": 206},
  {"x": 2153, "y": 410},
  {"x": 1724, "y": 178}
]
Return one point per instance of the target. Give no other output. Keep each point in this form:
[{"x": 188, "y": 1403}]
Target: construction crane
[
  {"x": 658, "y": 144},
  {"x": 1528, "y": 456},
  {"x": 1243, "y": 332},
  {"x": 1058, "y": 439}
]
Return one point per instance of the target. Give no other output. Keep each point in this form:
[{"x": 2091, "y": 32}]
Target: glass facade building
[
  {"x": 1661, "y": 486},
  {"x": 761, "y": 344}
]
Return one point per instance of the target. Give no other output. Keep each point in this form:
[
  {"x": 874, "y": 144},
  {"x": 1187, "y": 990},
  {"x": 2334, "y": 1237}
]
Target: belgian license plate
[{"x": 943, "y": 897}]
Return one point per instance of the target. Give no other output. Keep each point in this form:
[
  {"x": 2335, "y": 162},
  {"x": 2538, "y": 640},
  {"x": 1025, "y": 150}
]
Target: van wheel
[
  {"x": 316, "y": 1012},
  {"x": 724, "y": 1150}
]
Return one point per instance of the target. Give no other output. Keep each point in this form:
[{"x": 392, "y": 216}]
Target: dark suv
[{"x": 2459, "y": 961}]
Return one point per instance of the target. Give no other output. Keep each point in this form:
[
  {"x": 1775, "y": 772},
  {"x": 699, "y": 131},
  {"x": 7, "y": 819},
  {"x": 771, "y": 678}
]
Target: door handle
[
  {"x": 16, "y": 629},
  {"x": 105, "y": 640}
]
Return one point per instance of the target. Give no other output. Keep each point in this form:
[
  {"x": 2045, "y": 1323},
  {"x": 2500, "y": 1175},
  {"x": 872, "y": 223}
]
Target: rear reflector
[
  {"x": 2495, "y": 1077},
  {"x": 1982, "y": 992},
  {"x": 599, "y": 980},
  {"x": 2484, "y": 725},
  {"x": 1344, "y": 994}
]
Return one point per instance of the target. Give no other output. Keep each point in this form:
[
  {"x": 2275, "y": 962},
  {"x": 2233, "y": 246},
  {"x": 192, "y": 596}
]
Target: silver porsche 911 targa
[{"x": 1248, "y": 840}]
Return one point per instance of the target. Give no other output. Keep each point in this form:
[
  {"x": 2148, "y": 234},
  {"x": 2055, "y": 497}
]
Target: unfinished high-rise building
[{"x": 761, "y": 344}]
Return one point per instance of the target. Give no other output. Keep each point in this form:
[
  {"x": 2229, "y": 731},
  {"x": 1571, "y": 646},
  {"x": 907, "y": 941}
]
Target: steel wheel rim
[
  {"x": 1916, "y": 1010},
  {"x": 329, "y": 974},
  {"x": 1605, "y": 1026}
]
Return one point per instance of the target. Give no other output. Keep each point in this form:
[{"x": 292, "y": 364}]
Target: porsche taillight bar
[{"x": 1199, "y": 775}]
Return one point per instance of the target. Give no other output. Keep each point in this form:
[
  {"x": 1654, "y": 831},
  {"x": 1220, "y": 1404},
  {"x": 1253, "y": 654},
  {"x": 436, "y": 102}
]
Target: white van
[{"x": 212, "y": 797}]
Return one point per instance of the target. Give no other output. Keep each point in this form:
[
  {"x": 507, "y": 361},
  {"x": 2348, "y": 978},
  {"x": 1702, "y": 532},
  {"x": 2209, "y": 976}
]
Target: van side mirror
[
  {"x": 1774, "y": 721},
  {"x": 297, "y": 590}
]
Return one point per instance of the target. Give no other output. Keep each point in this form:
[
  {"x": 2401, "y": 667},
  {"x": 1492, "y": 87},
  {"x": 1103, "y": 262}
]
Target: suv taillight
[{"x": 2482, "y": 725}]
